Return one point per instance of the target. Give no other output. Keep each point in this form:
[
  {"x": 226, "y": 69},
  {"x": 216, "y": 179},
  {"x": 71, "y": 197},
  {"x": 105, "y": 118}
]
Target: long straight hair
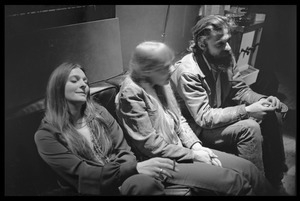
[
  {"x": 149, "y": 56},
  {"x": 57, "y": 114}
]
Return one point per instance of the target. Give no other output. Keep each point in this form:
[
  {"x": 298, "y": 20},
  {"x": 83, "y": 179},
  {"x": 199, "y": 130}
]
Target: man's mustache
[{"x": 226, "y": 54}]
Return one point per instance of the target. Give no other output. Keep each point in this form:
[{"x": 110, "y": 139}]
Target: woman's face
[
  {"x": 76, "y": 89},
  {"x": 161, "y": 76}
]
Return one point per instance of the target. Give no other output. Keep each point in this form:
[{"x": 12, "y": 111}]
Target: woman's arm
[
  {"x": 187, "y": 135},
  {"x": 115, "y": 131},
  {"x": 86, "y": 176}
]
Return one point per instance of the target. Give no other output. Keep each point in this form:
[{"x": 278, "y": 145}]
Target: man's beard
[{"x": 222, "y": 61}]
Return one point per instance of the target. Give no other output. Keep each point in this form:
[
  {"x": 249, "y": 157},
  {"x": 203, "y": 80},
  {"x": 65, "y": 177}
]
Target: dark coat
[{"x": 87, "y": 177}]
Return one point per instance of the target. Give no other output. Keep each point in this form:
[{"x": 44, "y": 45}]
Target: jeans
[
  {"x": 141, "y": 184},
  {"x": 273, "y": 148},
  {"x": 261, "y": 144},
  {"x": 237, "y": 176}
]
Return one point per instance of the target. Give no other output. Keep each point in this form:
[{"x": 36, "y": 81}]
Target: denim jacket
[
  {"x": 137, "y": 112},
  {"x": 194, "y": 86}
]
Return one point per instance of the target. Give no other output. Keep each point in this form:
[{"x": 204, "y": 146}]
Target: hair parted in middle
[
  {"x": 149, "y": 56},
  {"x": 205, "y": 26},
  {"x": 58, "y": 115}
]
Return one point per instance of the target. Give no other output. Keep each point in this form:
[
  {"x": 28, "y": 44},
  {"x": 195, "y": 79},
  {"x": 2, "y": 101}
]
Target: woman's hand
[
  {"x": 206, "y": 155},
  {"x": 214, "y": 158},
  {"x": 157, "y": 167}
]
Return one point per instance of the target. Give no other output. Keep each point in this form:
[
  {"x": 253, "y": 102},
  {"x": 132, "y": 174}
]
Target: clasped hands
[{"x": 260, "y": 108}]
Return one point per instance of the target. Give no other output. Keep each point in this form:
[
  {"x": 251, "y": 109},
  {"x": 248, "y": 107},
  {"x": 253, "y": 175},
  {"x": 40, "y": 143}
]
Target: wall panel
[
  {"x": 31, "y": 57},
  {"x": 180, "y": 21},
  {"x": 139, "y": 23}
]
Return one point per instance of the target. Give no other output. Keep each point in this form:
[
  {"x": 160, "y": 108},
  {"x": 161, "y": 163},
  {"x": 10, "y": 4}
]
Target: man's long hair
[{"x": 205, "y": 26}]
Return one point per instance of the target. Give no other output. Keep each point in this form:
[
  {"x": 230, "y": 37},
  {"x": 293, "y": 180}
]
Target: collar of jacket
[{"x": 204, "y": 68}]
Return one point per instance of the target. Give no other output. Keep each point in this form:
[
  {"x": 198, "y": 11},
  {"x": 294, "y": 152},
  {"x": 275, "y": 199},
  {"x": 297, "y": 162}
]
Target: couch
[{"x": 25, "y": 172}]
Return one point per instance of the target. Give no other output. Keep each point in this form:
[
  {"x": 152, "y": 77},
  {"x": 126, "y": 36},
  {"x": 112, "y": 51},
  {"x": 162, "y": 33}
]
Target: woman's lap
[
  {"x": 217, "y": 179},
  {"x": 234, "y": 162},
  {"x": 237, "y": 176}
]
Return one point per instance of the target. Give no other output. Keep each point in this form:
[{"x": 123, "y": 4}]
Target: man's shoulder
[{"x": 186, "y": 65}]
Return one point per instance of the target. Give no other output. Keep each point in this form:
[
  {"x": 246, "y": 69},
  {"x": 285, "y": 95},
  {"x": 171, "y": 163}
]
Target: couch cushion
[
  {"x": 104, "y": 94},
  {"x": 25, "y": 172}
]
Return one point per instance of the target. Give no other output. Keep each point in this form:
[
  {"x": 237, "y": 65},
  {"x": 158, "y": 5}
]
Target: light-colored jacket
[
  {"x": 138, "y": 113},
  {"x": 194, "y": 87}
]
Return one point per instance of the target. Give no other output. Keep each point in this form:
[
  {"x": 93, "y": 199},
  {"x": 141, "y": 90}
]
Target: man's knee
[
  {"x": 252, "y": 129},
  {"x": 142, "y": 185}
]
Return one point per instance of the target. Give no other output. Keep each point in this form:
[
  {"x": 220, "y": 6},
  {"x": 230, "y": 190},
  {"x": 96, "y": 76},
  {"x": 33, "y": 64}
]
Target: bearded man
[{"x": 225, "y": 113}]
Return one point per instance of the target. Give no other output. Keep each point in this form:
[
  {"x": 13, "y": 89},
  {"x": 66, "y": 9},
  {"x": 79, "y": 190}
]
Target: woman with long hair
[
  {"x": 148, "y": 111},
  {"x": 85, "y": 146}
]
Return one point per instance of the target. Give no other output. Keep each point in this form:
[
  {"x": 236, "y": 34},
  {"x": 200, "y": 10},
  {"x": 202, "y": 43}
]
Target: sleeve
[
  {"x": 191, "y": 90},
  {"x": 132, "y": 112},
  {"x": 116, "y": 132},
  {"x": 187, "y": 135},
  {"x": 241, "y": 93},
  {"x": 85, "y": 176},
  {"x": 125, "y": 156}
]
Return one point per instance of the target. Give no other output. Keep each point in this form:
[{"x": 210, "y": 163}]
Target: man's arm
[{"x": 191, "y": 89}]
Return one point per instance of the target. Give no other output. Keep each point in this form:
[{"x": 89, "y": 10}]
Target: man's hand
[
  {"x": 261, "y": 107},
  {"x": 273, "y": 101}
]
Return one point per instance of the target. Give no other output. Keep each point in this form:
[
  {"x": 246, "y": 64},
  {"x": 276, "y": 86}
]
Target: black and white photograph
[{"x": 150, "y": 100}]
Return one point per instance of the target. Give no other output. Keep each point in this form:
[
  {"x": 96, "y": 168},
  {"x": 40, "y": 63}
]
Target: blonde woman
[{"x": 148, "y": 111}]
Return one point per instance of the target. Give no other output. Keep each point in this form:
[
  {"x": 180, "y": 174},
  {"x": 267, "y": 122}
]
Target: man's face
[{"x": 218, "y": 50}]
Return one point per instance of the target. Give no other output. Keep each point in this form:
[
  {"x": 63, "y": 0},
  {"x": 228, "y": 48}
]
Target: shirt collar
[{"x": 208, "y": 65}]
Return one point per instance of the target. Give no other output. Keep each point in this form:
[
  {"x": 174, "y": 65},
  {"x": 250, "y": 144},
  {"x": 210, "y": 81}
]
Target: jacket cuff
[
  {"x": 195, "y": 143},
  {"x": 242, "y": 113},
  {"x": 262, "y": 96},
  {"x": 128, "y": 169}
]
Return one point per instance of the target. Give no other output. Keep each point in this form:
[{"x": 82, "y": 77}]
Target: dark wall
[
  {"x": 36, "y": 36},
  {"x": 167, "y": 23},
  {"x": 30, "y": 58},
  {"x": 20, "y": 19},
  {"x": 277, "y": 51}
]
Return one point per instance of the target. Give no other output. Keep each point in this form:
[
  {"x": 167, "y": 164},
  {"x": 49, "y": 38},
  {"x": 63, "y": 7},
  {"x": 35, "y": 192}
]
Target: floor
[{"x": 287, "y": 95}]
